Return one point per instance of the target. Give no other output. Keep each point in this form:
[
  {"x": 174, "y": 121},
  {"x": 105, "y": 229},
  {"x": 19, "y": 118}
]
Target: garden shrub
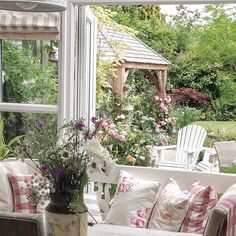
[
  {"x": 189, "y": 96},
  {"x": 185, "y": 116},
  {"x": 25, "y": 81}
]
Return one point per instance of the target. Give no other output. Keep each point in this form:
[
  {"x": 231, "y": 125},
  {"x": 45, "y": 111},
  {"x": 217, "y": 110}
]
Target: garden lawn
[{"x": 222, "y": 128}]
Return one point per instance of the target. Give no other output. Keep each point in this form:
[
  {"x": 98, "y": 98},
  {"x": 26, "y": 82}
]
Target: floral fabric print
[
  {"x": 126, "y": 184},
  {"x": 141, "y": 218}
]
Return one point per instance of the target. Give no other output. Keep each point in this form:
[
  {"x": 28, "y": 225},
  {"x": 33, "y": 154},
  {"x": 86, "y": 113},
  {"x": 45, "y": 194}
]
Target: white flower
[
  {"x": 142, "y": 158},
  {"x": 122, "y": 117},
  {"x": 99, "y": 157},
  {"x": 94, "y": 148}
]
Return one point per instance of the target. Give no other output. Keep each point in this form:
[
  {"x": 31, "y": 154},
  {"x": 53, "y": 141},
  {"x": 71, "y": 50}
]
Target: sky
[{"x": 171, "y": 10}]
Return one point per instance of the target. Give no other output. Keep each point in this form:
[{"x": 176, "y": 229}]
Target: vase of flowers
[{"x": 66, "y": 165}]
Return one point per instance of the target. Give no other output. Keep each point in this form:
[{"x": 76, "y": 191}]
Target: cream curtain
[{"x": 29, "y": 26}]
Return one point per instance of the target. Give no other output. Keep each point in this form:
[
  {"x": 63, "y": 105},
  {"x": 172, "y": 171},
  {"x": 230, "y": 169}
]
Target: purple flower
[
  {"x": 40, "y": 124},
  {"x": 88, "y": 135},
  {"x": 57, "y": 172},
  {"x": 79, "y": 125},
  {"x": 94, "y": 120},
  {"x": 44, "y": 168},
  {"x": 97, "y": 122}
]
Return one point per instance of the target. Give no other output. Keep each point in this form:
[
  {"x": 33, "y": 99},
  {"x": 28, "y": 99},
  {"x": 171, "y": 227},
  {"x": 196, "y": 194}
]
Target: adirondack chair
[
  {"x": 190, "y": 141},
  {"x": 226, "y": 152},
  {"x": 210, "y": 162}
]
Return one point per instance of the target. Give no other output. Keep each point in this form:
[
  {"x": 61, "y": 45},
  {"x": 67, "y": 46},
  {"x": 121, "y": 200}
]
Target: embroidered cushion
[
  {"x": 201, "y": 202},
  {"x": 133, "y": 201},
  {"x": 20, "y": 192},
  {"x": 169, "y": 209}
]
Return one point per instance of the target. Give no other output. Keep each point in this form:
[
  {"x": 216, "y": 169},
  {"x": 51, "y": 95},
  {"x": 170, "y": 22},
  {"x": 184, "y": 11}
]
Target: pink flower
[
  {"x": 162, "y": 123},
  {"x": 165, "y": 110},
  {"x": 116, "y": 136},
  {"x": 168, "y": 99},
  {"x": 156, "y": 98},
  {"x": 162, "y": 106},
  {"x": 121, "y": 137},
  {"x": 105, "y": 124},
  {"x": 112, "y": 126},
  {"x": 111, "y": 132}
]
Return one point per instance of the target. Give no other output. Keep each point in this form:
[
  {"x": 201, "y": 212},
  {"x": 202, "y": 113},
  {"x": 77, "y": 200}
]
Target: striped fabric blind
[{"x": 29, "y": 26}]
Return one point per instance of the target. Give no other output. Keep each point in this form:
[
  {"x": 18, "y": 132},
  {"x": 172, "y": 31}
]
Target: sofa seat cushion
[
  {"x": 6, "y": 196},
  {"x": 115, "y": 230}
]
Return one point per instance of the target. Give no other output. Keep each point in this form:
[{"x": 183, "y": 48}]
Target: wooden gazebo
[{"x": 132, "y": 54}]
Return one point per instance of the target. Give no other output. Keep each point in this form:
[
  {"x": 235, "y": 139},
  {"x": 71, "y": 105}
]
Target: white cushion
[
  {"x": 169, "y": 209},
  {"x": 115, "y": 230},
  {"x": 6, "y": 195},
  {"x": 133, "y": 201}
]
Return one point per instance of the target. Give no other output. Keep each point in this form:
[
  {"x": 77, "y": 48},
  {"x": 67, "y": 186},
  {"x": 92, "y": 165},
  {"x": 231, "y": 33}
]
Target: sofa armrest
[{"x": 217, "y": 223}]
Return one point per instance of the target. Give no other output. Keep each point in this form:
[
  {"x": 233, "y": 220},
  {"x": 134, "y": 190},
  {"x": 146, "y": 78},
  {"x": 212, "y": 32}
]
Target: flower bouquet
[{"x": 67, "y": 163}]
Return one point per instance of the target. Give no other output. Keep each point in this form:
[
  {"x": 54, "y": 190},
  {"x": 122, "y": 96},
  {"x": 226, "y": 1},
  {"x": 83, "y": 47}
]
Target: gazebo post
[
  {"x": 161, "y": 82},
  {"x": 121, "y": 75}
]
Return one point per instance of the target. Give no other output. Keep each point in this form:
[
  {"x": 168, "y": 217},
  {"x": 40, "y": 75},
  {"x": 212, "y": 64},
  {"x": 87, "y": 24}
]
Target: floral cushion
[
  {"x": 133, "y": 201},
  {"x": 169, "y": 209},
  {"x": 20, "y": 189},
  {"x": 201, "y": 202}
]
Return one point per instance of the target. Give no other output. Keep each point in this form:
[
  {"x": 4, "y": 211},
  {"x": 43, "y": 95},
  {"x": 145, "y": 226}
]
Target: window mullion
[{"x": 33, "y": 108}]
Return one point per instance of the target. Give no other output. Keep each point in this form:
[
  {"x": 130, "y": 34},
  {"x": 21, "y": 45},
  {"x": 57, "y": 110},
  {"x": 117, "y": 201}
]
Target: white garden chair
[
  {"x": 189, "y": 144},
  {"x": 226, "y": 152}
]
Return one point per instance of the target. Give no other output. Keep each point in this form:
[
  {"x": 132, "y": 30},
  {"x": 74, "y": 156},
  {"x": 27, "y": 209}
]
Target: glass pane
[
  {"x": 15, "y": 124},
  {"x": 29, "y": 71}
]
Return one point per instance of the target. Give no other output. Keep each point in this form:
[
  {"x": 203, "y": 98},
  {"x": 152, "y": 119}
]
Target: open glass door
[
  {"x": 78, "y": 64},
  {"x": 85, "y": 68}
]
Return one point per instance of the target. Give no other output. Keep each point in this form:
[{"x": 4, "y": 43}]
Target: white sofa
[{"x": 219, "y": 181}]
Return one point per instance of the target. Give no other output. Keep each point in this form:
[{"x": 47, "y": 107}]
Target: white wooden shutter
[{"x": 86, "y": 71}]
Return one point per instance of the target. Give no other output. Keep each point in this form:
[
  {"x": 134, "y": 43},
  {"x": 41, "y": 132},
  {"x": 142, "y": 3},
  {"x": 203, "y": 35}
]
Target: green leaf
[
  {"x": 4, "y": 150},
  {"x": 14, "y": 140}
]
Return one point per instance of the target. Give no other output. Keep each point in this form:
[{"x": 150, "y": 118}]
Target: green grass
[
  {"x": 225, "y": 128},
  {"x": 230, "y": 170},
  {"x": 219, "y": 130}
]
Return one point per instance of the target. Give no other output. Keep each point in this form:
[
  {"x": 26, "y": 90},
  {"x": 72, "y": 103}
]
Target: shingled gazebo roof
[{"x": 127, "y": 48}]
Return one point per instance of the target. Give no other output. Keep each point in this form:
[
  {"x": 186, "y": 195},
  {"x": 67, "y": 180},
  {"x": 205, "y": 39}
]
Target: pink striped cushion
[
  {"x": 20, "y": 191},
  {"x": 201, "y": 201}
]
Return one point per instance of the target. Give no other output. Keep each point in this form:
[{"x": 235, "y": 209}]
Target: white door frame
[{"x": 142, "y": 2}]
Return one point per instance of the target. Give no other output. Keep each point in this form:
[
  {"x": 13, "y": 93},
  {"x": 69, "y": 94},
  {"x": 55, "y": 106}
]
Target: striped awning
[{"x": 29, "y": 26}]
